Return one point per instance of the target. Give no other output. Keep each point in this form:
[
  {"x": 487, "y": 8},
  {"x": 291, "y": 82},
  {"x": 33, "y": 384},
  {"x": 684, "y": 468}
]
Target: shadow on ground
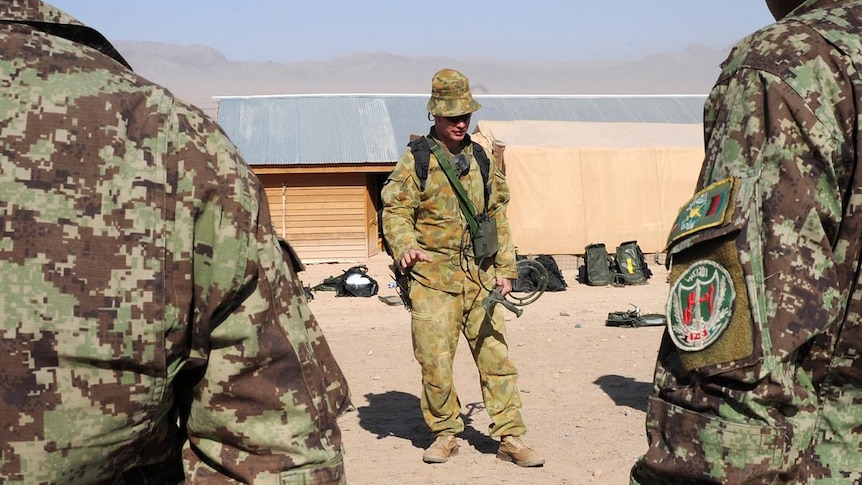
[
  {"x": 625, "y": 391},
  {"x": 395, "y": 413}
]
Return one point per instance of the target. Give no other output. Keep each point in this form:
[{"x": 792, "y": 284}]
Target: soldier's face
[{"x": 452, "y": 129}]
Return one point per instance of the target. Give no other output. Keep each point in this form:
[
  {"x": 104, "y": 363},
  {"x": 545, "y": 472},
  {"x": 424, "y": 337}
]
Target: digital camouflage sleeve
[
  {"x": 152, "y": 328},
  {"x": 757, "y": 379}
]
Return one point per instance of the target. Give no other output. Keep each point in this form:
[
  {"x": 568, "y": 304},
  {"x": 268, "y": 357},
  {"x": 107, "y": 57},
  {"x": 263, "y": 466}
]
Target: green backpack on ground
[
  {"x": 631, "y": 266},
  {"x": 597, "y": 265}
]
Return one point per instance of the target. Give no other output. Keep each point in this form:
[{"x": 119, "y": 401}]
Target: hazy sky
[{"x": 540, "y": 30}]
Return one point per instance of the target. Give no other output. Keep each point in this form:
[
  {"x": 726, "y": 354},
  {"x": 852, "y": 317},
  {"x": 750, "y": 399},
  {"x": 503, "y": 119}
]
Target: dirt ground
[{"x": 584, "y": 385}]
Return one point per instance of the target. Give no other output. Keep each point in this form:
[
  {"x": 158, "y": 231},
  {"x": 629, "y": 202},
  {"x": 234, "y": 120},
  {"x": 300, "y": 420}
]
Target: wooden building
[{"x": 327, "y": 213}]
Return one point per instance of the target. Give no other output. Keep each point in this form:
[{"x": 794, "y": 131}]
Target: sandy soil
[{"x": 584, "y": 385}]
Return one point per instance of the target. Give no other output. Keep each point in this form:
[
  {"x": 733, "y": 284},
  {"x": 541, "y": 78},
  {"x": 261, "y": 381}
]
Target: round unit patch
[{"x": 700, "y": 305}]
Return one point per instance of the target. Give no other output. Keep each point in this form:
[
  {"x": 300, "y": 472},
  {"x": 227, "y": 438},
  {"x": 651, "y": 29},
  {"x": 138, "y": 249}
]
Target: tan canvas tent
[{"x": 577, "y": 183}]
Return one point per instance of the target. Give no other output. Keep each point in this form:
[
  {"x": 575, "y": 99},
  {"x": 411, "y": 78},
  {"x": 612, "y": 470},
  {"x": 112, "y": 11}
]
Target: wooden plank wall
[{"x": 325, "y": 217}]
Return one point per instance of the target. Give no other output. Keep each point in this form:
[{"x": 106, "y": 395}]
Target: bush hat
[{"x": 450, "y": 94}]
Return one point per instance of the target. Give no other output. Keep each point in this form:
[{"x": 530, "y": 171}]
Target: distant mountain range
[{"x": 197, "y": 73}]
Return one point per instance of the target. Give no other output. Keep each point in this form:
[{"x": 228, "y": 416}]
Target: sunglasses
[{"x": 458, "y": 119}]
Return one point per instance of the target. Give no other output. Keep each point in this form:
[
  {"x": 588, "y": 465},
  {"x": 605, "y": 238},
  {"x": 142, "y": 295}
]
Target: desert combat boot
[
  {"x": 441, "y": 449},
  {"x": 513, "y": 448}
]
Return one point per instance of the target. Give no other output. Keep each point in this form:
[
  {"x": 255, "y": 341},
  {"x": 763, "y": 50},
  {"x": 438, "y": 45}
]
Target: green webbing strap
[{"x": 464, "y": 201}]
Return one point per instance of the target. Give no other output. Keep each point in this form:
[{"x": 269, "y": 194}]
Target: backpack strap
[
  {"x": 422, "y": 158},
  {"x": 485, "y": 168},
  {"x": 467, "y": 207}
]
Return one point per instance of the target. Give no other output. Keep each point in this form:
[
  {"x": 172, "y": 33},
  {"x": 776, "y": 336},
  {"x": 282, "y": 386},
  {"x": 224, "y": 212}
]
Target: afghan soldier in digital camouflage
[
  {"x": 152, "y": 328},
  {"x": 758, "y": 376},
  {"x": 428, "y": 236}
]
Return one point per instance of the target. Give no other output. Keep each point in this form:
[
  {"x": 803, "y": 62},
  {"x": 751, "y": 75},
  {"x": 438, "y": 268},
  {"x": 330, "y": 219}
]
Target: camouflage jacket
[
  {"x": 431, "y": 220},
  {"x": 152, "y": 326},
  {"x": 757, "y": 379}
]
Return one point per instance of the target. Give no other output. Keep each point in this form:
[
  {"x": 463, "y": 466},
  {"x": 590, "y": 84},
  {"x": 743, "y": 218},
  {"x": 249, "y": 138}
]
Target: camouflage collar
[
  {"x": 809, "y": 5},
  {"x": 51, "y": 20}
]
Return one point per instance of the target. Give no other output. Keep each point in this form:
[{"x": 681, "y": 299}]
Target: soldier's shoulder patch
[
  {"x": 700, "y": 306},
  {"x": 709, "y": 207}
]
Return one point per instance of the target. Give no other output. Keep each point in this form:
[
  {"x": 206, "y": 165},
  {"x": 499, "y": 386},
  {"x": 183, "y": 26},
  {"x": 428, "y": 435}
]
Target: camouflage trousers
[{"x": 438, "y": 320}]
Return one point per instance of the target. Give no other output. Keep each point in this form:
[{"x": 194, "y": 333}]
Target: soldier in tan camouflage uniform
[
  {"x": 759, "y": 375},
  {"x": 427, "y": 233},
  {"x": 152, "y": 326}
]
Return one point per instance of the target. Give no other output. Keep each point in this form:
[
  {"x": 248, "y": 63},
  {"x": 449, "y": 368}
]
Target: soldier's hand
[
  {"x": 412, "y": 257},
  {"x": 504, "y": 285}
]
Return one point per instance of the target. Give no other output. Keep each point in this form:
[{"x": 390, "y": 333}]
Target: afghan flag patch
[
  {"x": 700, "y": 306},
  {"x": 708, "y": 208}
]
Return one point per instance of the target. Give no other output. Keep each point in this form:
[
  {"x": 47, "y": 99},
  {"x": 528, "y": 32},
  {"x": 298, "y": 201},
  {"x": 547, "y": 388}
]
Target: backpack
[
  {"x": 353, "y": 281},
  {"x": 556, "y": 282},
  {"x": 631, "y": 266},
  {"x": 422, "y": 157},
  {"x": 597, "y": 265},
  {"x": 524, "y": 283}
]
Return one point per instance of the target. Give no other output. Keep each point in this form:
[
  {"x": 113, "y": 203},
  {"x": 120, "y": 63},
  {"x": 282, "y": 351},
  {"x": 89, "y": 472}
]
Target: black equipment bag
[
  {"x": 353, "y": 281},
  {"x": 556, "y": 282},
  {"x": 524, "y": 283}
]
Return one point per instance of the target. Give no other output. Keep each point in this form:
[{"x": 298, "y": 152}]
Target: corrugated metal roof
[{"x": 375, "y": 128}]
